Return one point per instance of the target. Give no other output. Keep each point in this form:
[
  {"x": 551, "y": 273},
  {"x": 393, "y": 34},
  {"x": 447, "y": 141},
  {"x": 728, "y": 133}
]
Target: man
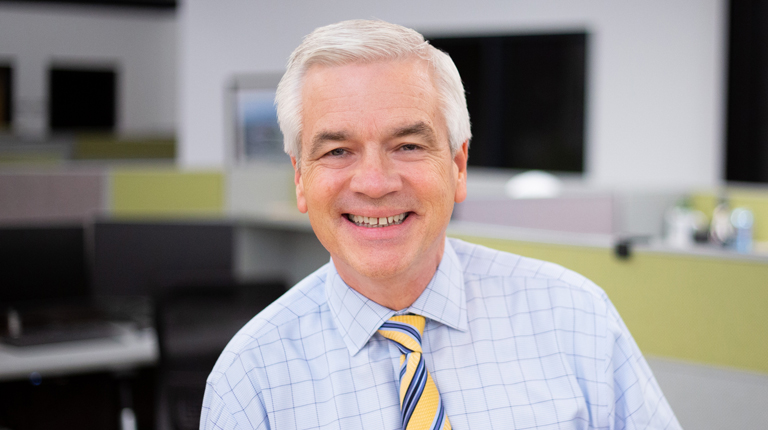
[{"x": 404, "y": 328}]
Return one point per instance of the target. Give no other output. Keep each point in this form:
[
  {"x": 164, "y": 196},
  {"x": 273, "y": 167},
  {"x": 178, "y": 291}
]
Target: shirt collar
[{"x": 358, "y": 317}]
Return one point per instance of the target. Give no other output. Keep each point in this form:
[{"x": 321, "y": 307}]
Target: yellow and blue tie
[{"x": 420, "y": 404}]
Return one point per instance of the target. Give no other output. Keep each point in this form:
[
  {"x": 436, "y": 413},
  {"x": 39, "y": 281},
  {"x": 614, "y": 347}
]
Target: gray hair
[{"x": 367, "y": 41}]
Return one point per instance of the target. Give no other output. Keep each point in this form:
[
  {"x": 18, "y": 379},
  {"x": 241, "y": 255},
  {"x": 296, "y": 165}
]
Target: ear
[
  {"x": 301, "y": 202},
  {"x": 460, "y": 159}
]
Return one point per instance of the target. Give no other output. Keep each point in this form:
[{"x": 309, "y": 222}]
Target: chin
[{"x": 378, "y": 266}]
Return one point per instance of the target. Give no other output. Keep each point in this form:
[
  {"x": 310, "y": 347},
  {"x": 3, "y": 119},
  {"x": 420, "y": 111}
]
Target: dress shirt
[{"x": 511, "y": 343}]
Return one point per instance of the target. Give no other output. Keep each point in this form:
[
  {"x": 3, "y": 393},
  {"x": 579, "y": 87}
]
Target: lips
[{"x": 375, "y": 222}]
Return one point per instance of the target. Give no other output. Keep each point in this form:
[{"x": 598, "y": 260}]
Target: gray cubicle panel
[
  {"x": 54, "y": 196},
  {"x": 582, "y": 214},
  {"x": 149, "y": 258}
]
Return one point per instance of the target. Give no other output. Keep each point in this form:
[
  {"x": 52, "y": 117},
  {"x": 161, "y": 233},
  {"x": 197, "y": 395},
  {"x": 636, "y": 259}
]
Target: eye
[
  {"x": 409, "y": 147},
  {"x": 337, "y": 152}
]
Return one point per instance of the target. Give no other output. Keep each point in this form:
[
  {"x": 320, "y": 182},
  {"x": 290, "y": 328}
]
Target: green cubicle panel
[
  {"x": 703, "y": 309},
  {"x": 166, "y": 192},
  {"x": 112, "y": 147}
]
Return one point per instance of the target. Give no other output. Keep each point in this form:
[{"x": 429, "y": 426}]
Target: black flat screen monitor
[
  {"x": 525, "y": 95},
  {"x": 42, "y": 264}
]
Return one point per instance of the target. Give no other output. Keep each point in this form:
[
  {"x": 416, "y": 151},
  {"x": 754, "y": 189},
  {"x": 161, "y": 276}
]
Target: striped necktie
[{"x": 420, "y": 404}]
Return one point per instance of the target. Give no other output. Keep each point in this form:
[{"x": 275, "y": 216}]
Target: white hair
[{"x": 367, "y": 41}]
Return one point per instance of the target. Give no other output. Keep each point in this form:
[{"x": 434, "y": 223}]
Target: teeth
[{"x": 365, "y": 221}]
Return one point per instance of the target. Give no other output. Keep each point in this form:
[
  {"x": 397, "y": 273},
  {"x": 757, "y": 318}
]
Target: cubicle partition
[{"x": 160, "y": 233}]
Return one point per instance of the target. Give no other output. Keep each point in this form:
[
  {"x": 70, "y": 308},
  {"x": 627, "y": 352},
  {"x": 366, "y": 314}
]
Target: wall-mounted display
[
  {"x": 746, "y": 139},
  {"x": 82, "y": 98},
  {"x": 526, "y": 98},
  {"x": 6, "y": 97}
]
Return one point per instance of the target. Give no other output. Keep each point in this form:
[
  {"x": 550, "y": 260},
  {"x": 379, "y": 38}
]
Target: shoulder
[
  {"x": 482, "y": 264},
  {"x": 234, "y": 390},
  {"x": 538, "y": 297},
  {"x": 306, "y": 300}
]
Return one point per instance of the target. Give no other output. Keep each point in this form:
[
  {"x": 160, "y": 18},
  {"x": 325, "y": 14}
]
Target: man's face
[{"x": 376, "y": 174}]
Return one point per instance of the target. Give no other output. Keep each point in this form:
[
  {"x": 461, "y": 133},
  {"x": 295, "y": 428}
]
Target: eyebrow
[
  {"x": 326, "y": 136},
  {"x": 417, "y": 129}
]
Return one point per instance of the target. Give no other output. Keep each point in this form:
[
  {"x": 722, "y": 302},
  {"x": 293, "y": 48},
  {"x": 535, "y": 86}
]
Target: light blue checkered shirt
[{"x": 511, "y": 343}]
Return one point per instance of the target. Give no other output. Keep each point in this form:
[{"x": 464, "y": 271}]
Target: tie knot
[{"x": 406, "y": 330}]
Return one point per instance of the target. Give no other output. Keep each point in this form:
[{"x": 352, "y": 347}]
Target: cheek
[
  {"x": 436, "y": 190},
  {"x": 444, "y": 179},
  {"x": 321, "y": 188}
]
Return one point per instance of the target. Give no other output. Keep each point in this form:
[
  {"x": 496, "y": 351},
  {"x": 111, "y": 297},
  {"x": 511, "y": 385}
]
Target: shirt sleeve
[
  {"x": 638, "y": 400},
  {"x": 223, "y": 409}
]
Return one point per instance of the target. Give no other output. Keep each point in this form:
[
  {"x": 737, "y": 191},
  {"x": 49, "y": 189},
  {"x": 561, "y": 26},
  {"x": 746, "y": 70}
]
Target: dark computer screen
[
  {"x": 746, "y": 145},
  {"x": 82, "y": 99},
  {"x": 525, "y": 95},
  {"x": 42, "y": 264}
]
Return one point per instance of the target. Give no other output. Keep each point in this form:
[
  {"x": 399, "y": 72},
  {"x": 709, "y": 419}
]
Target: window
[{"x": 257, "y": 134}]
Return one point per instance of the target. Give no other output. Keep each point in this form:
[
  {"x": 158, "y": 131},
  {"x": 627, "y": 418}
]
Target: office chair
[{"x": 194, "y": 324}]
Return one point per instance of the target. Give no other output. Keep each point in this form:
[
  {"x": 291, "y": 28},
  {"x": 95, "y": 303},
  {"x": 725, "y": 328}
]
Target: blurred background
[{"x": 147, "y": 210}]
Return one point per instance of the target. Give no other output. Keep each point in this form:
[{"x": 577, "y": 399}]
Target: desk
[{"x": 131, "y": 349}]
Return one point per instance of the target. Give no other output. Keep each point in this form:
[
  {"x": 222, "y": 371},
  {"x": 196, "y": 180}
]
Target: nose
[{"x": 375, "y": 175}]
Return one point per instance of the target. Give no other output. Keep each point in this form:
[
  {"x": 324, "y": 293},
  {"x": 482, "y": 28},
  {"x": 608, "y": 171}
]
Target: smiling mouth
[{"x": 374, "y": 222}]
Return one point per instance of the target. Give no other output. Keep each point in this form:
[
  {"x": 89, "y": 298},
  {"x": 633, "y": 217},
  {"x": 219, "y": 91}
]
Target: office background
[{"x": 654, "y": 133}]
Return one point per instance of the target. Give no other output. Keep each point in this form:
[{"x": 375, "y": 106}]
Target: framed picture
[{"x": 256, "y": 132}]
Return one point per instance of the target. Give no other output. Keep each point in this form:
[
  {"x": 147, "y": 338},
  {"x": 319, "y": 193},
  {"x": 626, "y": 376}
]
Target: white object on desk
[
  {"x": 533, "y": 184},
  {"x": 127, "y": 419}
]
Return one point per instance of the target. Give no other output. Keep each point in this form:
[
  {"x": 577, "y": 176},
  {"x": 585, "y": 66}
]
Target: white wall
[
  {"x": 141, "y": 43},
  {"x": 655, "y": 89}
]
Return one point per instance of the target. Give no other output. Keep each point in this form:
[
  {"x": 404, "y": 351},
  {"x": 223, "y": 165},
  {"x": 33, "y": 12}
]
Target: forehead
[{"x": 379, "y": 94}]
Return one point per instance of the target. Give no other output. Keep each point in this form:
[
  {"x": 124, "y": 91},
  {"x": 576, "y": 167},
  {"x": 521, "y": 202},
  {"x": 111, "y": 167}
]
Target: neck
[{"x": 397, "y": 291}]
